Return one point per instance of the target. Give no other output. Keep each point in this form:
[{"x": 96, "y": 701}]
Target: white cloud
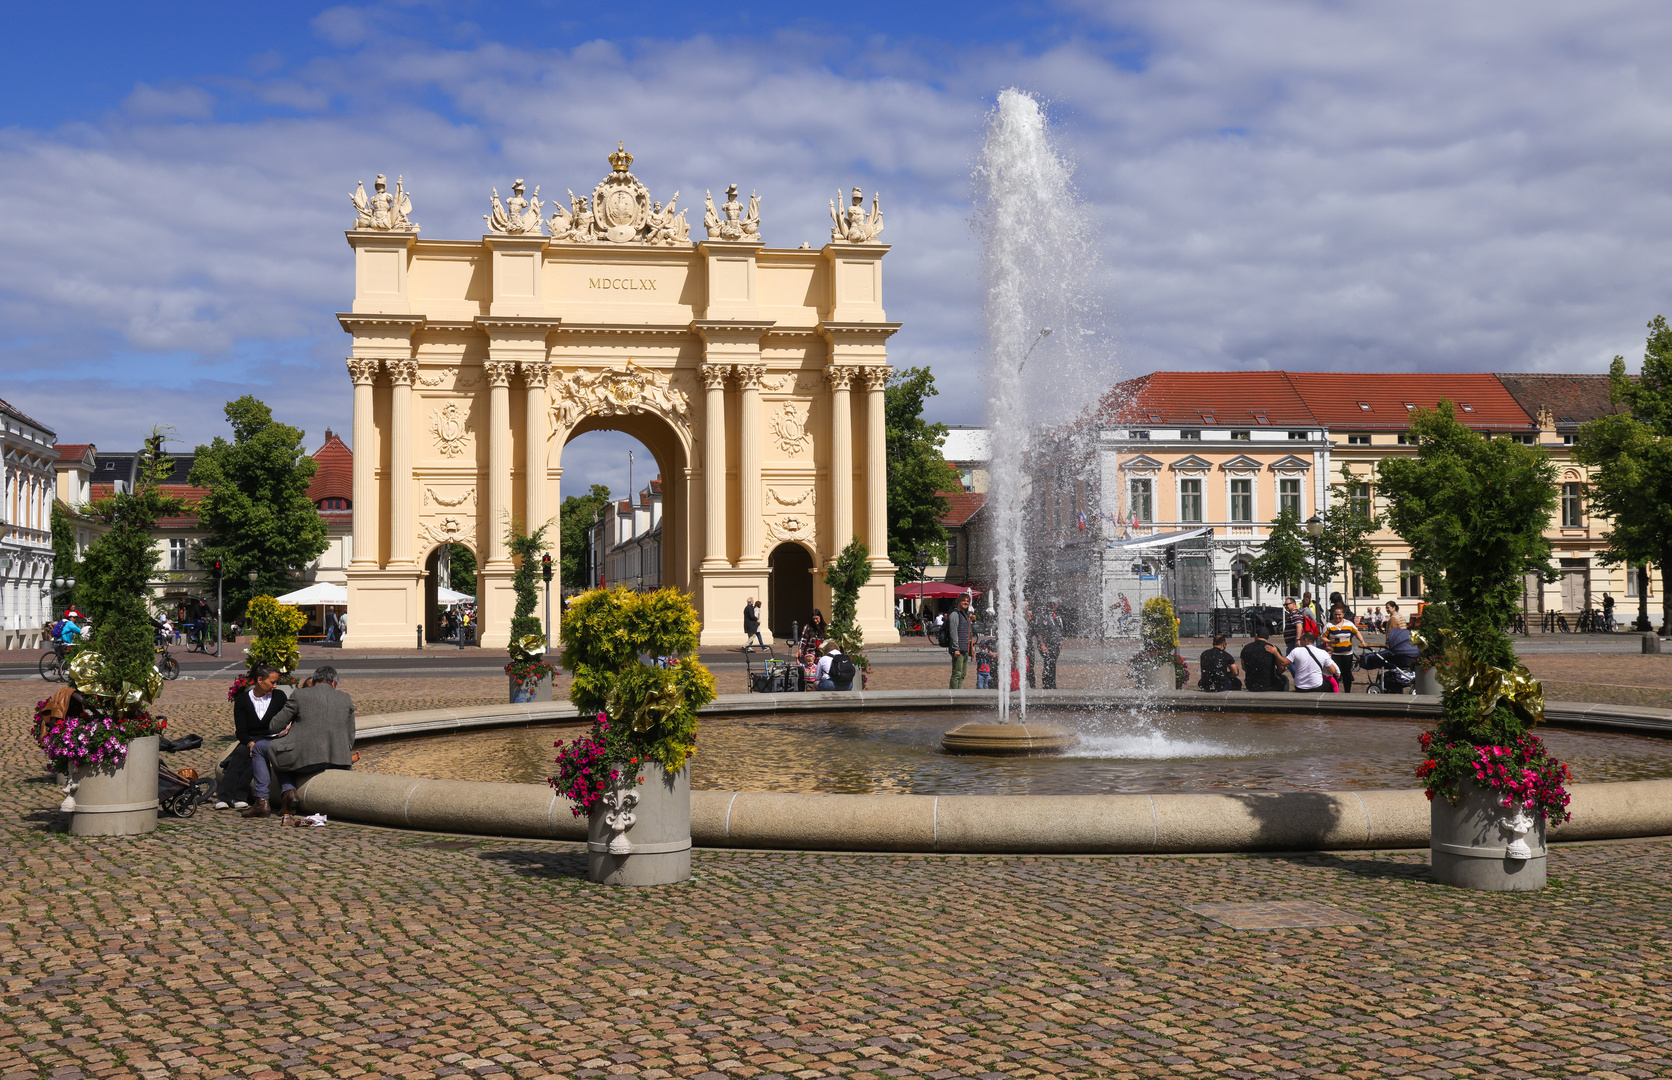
[{"x": 1315, "y": 185}]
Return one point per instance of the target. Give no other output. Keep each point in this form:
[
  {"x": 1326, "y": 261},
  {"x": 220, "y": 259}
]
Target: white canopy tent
[
  {"x": 320, "y": 592},
  {"x": 449, "y": 597}
]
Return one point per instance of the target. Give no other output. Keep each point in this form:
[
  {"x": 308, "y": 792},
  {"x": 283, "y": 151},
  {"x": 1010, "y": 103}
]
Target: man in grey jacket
[
  {"x": 960, "y": 637},
  {"x": 314, "y": 731}
]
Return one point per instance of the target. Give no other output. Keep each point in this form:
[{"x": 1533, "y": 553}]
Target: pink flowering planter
[
  {"x": 1481, "y": 844},
  {"x": 118, "y": 800}
]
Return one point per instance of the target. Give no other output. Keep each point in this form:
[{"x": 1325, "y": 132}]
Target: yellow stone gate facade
[{"x": 755, "y": 375}]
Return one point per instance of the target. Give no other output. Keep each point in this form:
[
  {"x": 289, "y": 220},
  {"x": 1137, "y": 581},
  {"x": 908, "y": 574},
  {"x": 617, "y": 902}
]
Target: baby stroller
[
  {"x": 178, "y": 793},
  {"x": 1390, "y": 672}
]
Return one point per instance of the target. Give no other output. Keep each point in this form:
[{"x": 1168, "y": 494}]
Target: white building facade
[{"x": 28, "y": 452}]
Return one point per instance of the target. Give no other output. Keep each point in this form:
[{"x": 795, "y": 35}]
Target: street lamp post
[{"x": 1315, "y": 529}]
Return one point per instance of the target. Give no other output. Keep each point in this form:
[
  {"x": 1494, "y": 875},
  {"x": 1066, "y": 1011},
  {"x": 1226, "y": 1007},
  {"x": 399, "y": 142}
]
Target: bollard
[
  {"x": 1651, "y": 642},
  {"x": 420, "y": 635}
]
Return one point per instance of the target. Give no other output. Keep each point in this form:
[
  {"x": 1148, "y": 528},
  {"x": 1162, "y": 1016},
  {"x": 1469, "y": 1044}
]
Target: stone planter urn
[
  {"x": 1426, "y": 682},
  {"x": 642, "y": 835},
  {"x": 1161, "y": 677},
  {"x": 1479, "y": 844},
  {"x": 533, "y": 690},
  {"x": 118, "y": 800}
]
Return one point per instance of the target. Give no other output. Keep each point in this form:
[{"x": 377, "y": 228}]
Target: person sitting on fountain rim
[
  {"x": 961, "y": 636},
  {"x": 1262, "y": 664},
  {"x": 249, "y": 723},
  {"x": 1313, "y": 667},
  {"x": 836, "y": 668},
  {"x": 313, "y": 732},
  {"x": 1219, "y": 668}
]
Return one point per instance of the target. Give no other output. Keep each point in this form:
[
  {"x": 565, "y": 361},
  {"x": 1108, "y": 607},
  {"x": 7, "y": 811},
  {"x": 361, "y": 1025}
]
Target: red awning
[{"x": 933, "y": 590}]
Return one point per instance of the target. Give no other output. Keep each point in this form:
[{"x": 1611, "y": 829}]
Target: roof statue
[
  {"x": 518, "y": 216},
  {"x": 729, "y": 222},
  {"x": 383, "y": 212},
  {"x": 852, "y": 224},
  {"x": 619, "y": 212}
]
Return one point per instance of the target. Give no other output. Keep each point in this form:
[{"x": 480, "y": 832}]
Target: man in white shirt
[{"x": 1310, "y": 664}]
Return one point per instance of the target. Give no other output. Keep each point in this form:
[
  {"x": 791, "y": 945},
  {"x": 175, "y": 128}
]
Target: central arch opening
[
  {"x": 791, "y": 601},
  {"x": 622, "y": 519}
]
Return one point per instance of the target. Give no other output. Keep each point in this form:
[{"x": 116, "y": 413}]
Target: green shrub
[{"x": 274, "y": 627}]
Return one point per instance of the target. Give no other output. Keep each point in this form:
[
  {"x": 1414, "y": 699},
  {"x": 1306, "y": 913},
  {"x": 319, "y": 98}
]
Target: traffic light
[
  {"x": 217, "y": 567},
  {"x": 546, "y": 568}
]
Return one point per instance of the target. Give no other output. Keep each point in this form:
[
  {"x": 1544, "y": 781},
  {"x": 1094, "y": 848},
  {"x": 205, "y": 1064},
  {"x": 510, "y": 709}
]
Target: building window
[
  {"x": 176, "y": 554},
  {"x": 1404, "y": 439},
  {"x": 1142, "y": 501},
  {"x": 966, "y": 479},
  {"x": 1191, "y": 433},
  {"x": 1297, "y": 434},
  {"x": 333, "y": 504},
  {"x": 1190, "y": 500},
  {"x": 1242, "y": 582},
  {"x": 1141, "y": 436},
  {"x": 1288, "y": 497},
  {"x": 1242, "y": 500},
  {"x": 1410, "y": 582},
  {"x": 1358, "y": 440},
  {"x": 1573, "y": 514},
  {"x": 1242, "y": 436},
  {"x": 1631, "y": 582},
  {"x": 1525, "y": 439},
  {"x": 1358, "y": 499},
  {"x": 952, "y": 550}
]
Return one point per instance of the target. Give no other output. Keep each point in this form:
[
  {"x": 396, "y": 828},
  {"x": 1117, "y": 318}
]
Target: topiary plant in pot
[
  {"x": 1474, "y": 511},
  {"x": 626, "y": 652},
  {"x": 1158, "y": 664},
  {"x": 530, "y": 673}
]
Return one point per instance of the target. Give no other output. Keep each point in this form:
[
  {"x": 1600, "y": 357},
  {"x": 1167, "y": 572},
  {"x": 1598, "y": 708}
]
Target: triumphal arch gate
[{"x": 754, "y": 375}]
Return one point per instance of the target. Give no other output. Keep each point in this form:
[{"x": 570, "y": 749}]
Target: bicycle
[
  {"x": 197, "y": 637},
  {"x": 1562, "y": 624},
  {"x": 166, "y": 664},
  {"x": 52, "y": 663}
]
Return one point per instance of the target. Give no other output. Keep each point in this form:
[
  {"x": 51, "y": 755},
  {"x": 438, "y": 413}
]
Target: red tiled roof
[
  {"x": 1208, "y": 399},
  {"x": 1336, "y": 398},
  {"x": 1571, "y": 399},
  {"x": 72, "y": 451},
  {"x": 334, "y": 473},
  {"x": 964, "y": 506}
]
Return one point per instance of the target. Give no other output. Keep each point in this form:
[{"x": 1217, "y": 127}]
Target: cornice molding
[{"x": 350, "y": 320}]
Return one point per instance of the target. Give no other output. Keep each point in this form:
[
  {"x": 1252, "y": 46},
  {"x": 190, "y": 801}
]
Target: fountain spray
[{"x": 1038, "y": 254}]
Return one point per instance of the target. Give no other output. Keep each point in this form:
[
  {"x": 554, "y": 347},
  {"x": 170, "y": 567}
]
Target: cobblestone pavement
[{"x": 223, "y": 948}]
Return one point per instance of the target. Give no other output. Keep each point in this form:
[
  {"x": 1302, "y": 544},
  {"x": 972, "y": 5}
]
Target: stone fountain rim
[{"x": 993, "y": 824}]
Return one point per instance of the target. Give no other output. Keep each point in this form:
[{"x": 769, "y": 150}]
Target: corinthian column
[
  {"x": 714, "y": 465},
  {"x": 364, "y": 476},
  {"x": 499, "y": 459},
  {"x": 876, "y": 462},
  {"x": 749, "y": 457},
  {"x": 535, "y": 373},
  {"x": 403, "y": 518},
  {"x": 841, "y": 458}
]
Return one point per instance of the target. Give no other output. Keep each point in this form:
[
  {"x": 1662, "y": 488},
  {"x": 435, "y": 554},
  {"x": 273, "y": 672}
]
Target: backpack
[
  {"x": 1308, "y": 626},
  {"x": 944, "y": 634},
  {"x": 841, "y": 669}
]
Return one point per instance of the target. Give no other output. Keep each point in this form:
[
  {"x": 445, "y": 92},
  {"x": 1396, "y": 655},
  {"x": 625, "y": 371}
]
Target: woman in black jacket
[{"x": 248, "y": 724}]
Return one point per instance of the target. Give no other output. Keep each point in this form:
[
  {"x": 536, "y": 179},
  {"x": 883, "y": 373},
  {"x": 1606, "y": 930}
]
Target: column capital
[
  {"x": 535, "y": 373},
  {"x": 838, "y": 377},
  {"x": 362, "y": 370},
  {"x": 714, "y": 375},
  {"x": 876, "y": 378},
  {"x": 749, "y": 375},
  {"x": 402, "y": 372},
  {"x": 499, "y": 372}
]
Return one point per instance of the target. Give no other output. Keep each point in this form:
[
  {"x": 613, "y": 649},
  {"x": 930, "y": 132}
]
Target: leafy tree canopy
[
  {"x": 918, "y": 475},
  {"x": 1291, "y": 555},
  {"x": 257, "y": 513},
  {"x": 1630, "y": 456},
  {"x": 1474, "y": 511},
  {"x": 576, "y": 515}
]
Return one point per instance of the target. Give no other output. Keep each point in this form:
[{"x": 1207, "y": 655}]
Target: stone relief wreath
[
  {"x": 616, "y": 392},
  {"x": 448, "y": 426},
  {"x": 449, "y": 530},
  {"x": 789, "y": 429}
]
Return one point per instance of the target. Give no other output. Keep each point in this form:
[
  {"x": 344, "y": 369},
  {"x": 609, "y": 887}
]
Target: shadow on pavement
[
  {"x": 546, "y": 865},
  {"x": 1364, "y": 866}
]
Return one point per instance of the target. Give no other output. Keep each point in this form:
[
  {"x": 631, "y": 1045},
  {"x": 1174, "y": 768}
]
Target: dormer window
[
  {"x": 1364, "y": 406},
  {"x": 1260, "y": 418},
  {"x": 1466, "y": 407},
  {"x": 1155, "y": 418},
  {"x": 1207, "y": 418},
  {"x": 1409, "y": 406},
  {"x": 333, "y": 504}
]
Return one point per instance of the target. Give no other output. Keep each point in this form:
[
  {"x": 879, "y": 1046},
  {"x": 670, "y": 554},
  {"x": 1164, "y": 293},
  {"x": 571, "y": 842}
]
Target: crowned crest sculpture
[
  {"x": 517, "y": 216},
  {"x": 383, "y": 212},
  {"x": 620, "y": 212},
  {"x": 729, "y": 222},
  {"x": 852, "y": 224}
]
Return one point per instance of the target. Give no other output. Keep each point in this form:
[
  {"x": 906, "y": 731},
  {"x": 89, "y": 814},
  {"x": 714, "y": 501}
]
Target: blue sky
[{"x": 1320, "y": 184}]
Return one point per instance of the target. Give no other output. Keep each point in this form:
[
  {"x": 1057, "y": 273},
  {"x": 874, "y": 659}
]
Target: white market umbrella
[
  {"x": 320, "y": 592},
  {"x": 449, "y": 597}
]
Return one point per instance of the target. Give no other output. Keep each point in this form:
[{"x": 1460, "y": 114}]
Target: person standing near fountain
[
  {"x": 1262, "y": 664},
  {"x": 960, "y": 636},
  {"x": 1050, "y": 646},
  {"x": 1341, "y": 633}
]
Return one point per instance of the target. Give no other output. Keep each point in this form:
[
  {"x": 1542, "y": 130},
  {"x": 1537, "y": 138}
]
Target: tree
[
  {"x": 1474, "y": 511},
  {"x": 1630, "y": 456},
  {"x": 846, "y": 576},
  {"x": 1285, "y": 558},
  {"x": 257, "y": 513},
  {"x": 116, "y": 581},
  {"x": 461, "y": 570},
  {"x": 918, "y": 475},
  {"x": 65, "y": 562},
  {"x": 525, "y": 549},
  {"x": 575, "y": 517},
  {"x": 1292, "y": 555}
]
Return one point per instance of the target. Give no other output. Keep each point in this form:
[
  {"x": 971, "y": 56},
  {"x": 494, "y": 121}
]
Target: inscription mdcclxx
[{"x": 645, "y": 284}]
